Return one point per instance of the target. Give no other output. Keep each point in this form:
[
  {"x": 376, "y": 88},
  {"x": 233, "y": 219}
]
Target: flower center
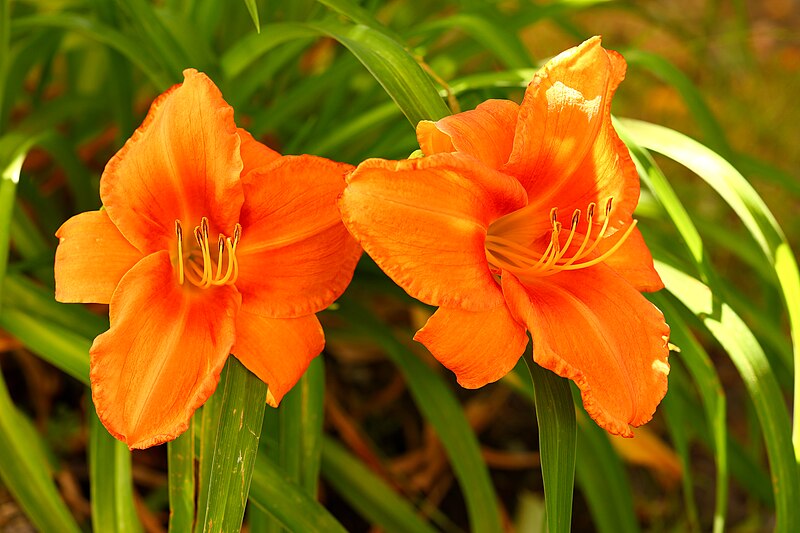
[
  {"x": 505, "y": 254},
  {"x": 198, "y": 266}
]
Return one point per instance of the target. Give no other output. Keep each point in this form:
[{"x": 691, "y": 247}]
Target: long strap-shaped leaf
[
  {"x": 111, "y": 483},
  {"x": 440, "y": 408},
  {"x": 242, "y": 399},
  {"x": 555, "y": 414},
  {"x": 743, "y": 348},
  {"x": 752, "y": 210}
]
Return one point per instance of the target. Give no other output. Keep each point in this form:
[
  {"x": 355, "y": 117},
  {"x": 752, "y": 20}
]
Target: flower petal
[
  {"x": 254, "y": 154},
  {"x": 182, "y": 163},
  {"x": 91, "y": 258},
  {"x": 295, "y": 255},
  {"x": 424, "y": 222},
  {"x": 277, "y": 350},
  {"x": 593, "y": 327},
  {"x": 486, "y": 132},
  {"x": 479, "y": 347},
  {"x": 162, "y": 357},
  {"x": 633, "y": 261},
  {"x": 566, "y": 152}
]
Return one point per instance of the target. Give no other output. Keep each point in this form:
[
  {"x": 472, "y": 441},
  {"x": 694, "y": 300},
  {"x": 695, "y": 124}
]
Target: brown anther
[
  {"x": 576, "y": 216},
  {"x": 198, "y": 235},
  {"x": 237, "y": 233},
  {"x": 204, "y": 227},
  {"x": 590, "y": 212},
  {"x": 178, "y": 229},
  {"x": 608, "y": 204},
  {"x": 554, "y": 215}
]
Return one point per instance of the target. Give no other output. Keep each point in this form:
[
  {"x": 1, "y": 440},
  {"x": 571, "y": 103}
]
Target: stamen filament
[
  {"x": 179, "y": 234},
  {"x": 506, "y": 254},
  {"x": 208, "y": 275}
]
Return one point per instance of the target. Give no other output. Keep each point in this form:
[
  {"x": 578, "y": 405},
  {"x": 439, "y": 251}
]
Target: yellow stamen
[
  {"x": 506, "y": 254},
  {"x": 201, "y": 270}
]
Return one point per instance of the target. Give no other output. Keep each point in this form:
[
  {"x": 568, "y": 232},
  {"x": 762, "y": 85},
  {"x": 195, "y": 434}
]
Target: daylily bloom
[
  {"x": 519, "y": 219},
  {"x": 208, "y": 243}
]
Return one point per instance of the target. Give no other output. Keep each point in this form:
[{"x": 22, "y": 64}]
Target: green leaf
[
  {"x": 750, "y": 208},
  {"x": 253, "y": 9},
  {"x": 110, "y": 481},
  {"x": 180, "y": 461},
  {"x": 241, "y": 413},
  {"x": 439, "y": 406},
  {"x": 745, "y": 352},
  {"x": 249, "y": 48},
  {"x": 24, "y": 470},
  {"x": 367, "y": 493},
  {"x": 712, "y": 395},
  {"x": 58, "y": 346},
  {"x": 103, "y": 34},
  {"x": 555, "y": 413},
  {"x": 287, "y": 502},
  {"x": 393, "y": 67}
]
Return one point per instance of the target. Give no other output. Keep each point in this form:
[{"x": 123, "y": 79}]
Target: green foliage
[{"x": 335, "y": 78}]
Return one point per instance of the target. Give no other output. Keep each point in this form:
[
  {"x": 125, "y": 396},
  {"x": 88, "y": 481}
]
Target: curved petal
[
  {"x": 182, "y": 163},
  {"x": 295, "y": 255},
  {"x": 254, "y": 154},
  {"x": 486, "y": 132},
  {"x": 424, "y": 221},
  {"x": 277, "y": 350},
  {"x": 632, "y": 261},
  {"x": 592, "y": 327},
  {"x": 479, "y": 347},
  {"x": 162, "y": 357},
  {"x": 91, "y": 258},
  {"x": 566, "y": 152}
]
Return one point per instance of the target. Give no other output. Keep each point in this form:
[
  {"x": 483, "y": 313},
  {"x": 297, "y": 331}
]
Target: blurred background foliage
[{"x": 402, "y": 447}]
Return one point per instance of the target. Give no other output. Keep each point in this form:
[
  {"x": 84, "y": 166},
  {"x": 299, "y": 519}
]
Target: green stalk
[{"x": 180, "y": 457}]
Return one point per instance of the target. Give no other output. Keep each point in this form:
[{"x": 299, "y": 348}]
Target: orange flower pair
[
  {"x": 209, "y": 243},
  {"x": 519, "y": 219}
]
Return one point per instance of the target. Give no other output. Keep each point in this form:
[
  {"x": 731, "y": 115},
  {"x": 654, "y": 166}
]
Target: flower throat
[
  {"x": 505, "y": 254},
  {"x": 199, "y": 267}
]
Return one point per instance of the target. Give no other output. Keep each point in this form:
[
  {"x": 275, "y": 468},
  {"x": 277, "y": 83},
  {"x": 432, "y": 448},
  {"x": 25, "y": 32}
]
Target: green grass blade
[
  {"x": 712, "y": 395},
  {"x": 490, "y": 33},
  {"x": 5, "y": 56},
  {"x": 555, "y": 413},
  {"x": 180, "y": 461},
  {"x": 393, "y": 67},
  {"x": 287, "y": 502},
  {"x": 24, "y": 470},
  {"x": 745, "y": 352},
  {"x": 440, "y": 407},
  {"x": 103, "y": 34},
  {"x": 753, "y": 212},
  {"x": 603, "y": 481},
  {"x": 252, "y": 8},
  {"x": 236, "y": 60},
  {"x": 304, "y": 421},
  {"x": 242, "y": 403},
  {"x": 110, "y": 481},
  {"x": 367, "y": 493},
  {"x": 58, "y": 346}
]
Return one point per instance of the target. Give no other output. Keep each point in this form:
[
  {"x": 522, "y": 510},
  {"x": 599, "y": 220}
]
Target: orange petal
[
  {"x": 91, "y": 258},
  {"x": 566, "y": 152},
  {"x": 632, "y": 261},
  {"x": 254, "y": 154},
  {"x": 486, "y": 132},
  {"x": 182, "y": 163},
  {"x": 277, "y": 350},
  {"x": 424, "y": 222},
  {"x": 162, "y": 357},
  {"x": 593, "y": 327},
  {"x": 295, "y": 255},
  {"x": 479, "y": 347}
]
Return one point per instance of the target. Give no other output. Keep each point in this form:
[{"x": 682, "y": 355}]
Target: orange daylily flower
[
  {"x": 520, "y": 219},
  {"x": 209, "y": 243}
]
